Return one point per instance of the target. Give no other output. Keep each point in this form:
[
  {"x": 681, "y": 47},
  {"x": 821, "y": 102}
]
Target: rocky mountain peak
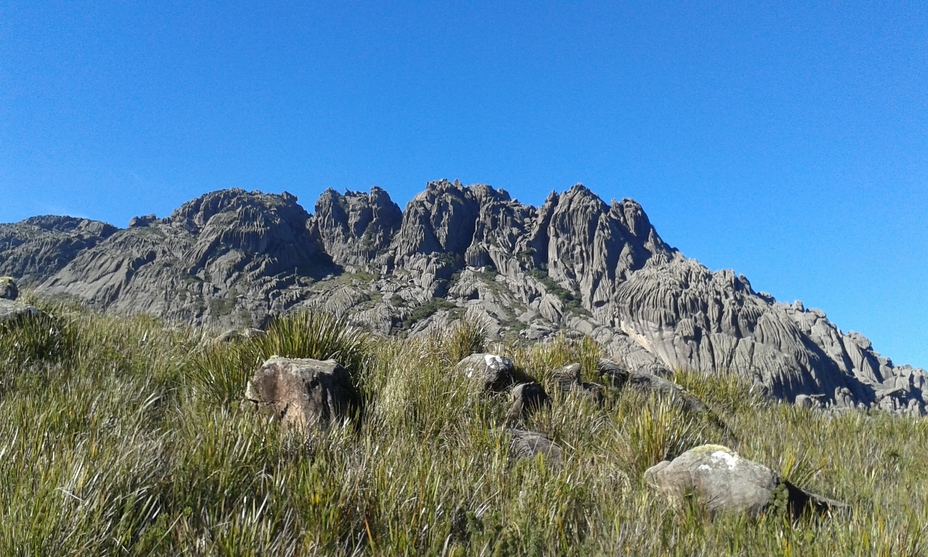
[
  {"x": 356, "y": 228},
  {"x": 575, "y": 265}
]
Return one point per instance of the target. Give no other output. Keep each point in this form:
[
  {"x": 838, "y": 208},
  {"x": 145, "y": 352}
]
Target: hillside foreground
[{"x": 129, "y": 436}]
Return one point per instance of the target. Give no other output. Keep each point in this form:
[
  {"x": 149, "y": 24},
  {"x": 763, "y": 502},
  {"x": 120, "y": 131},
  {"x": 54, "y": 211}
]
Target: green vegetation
[
  {"x": 571, "y": 302},
  {"x": 219, "y": 371},
  {"x": 427, "y": 310},
  {"x": 126, "y": 437}
]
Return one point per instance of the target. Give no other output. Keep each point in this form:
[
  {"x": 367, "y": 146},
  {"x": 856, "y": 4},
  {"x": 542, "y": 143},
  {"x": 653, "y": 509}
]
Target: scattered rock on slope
[
  {"x": 528, "y": 444},
  {"x": 303, "y": 393},
  {"x": 646, "y": 382},
  {"x": 11, "y": 310},
  {"x": 722, "y": 481},
  {"x": 493, "y": 372},
  {"x": 568, "y": 380},
  {"x": 574, "y": 265},
  {"x": 8, "y": 289},
  {"x": 526, "y": 399}
]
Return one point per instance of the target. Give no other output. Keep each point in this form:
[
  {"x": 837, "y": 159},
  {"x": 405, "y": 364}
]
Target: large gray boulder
[
  {"x": 722, "y": 481},
  {"x": 491, "y": 371},
  {"x": 525, "y": 444},
  {"x": 303, "y": 393},
  {"x": 11, "y": 310}
]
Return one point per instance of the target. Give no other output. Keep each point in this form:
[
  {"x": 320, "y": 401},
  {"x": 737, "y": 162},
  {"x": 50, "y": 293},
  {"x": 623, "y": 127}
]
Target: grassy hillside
[{"x": 127, "y": 436}]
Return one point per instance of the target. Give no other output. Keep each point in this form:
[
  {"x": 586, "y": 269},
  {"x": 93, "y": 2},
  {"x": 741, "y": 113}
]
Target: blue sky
[{"x": 787, "y": 141}]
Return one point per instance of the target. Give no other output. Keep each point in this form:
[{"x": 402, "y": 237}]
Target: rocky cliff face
[
  {"x": 39, "y": 247},
  {"x": 229, "y": 256},
  {"x": 575, "y": 266}
]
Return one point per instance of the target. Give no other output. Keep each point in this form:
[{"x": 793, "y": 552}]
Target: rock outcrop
[
  {"x": 8, "y": 289},
  {"x": 228, "y": 257},
  {"x": 303, "y": 393},
  {"x": 35, "y": 249},
  {"x": 11, "y": 311},
  {"x": 575, "y": 266},
  {"x": 490, "y": 371},
  {"x": 722, "y": 481},
  {"x": 527, "y": 398},
  {"x": 524, "y": 444}
]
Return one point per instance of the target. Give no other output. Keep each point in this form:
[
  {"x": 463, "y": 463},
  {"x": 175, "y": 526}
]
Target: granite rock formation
[
  {"x": 722, "y": 481},
  {"x": 575, "y": 266},
  {"x": 303, "y": 393}
]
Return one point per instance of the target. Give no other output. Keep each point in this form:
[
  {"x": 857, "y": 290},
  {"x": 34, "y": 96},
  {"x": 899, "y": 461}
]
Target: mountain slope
[{"x": 575, "y": 265}]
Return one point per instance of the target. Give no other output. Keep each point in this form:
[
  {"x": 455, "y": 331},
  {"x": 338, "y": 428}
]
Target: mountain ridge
[{"x": 574, "y": 265}]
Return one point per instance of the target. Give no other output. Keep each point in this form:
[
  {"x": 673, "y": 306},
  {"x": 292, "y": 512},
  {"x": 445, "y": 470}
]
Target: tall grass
[
  {"x": 219, "y": 371},
  {"x": 119, "y": 444}
]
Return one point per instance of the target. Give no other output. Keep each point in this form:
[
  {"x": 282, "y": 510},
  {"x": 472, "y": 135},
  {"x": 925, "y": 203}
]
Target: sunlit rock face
[{"x": 576, "y": 265}]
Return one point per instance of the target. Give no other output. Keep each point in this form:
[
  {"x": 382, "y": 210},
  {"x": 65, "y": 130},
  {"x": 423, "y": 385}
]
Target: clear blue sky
[{"x": 787, "y": 142}]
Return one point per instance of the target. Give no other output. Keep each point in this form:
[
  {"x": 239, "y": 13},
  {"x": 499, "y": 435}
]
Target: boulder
[
  {"x": 647, "y": 382},
  {"x": 494, "y": 372},
  {"x": 141, "y": 222},
  {"x": 529, "y": 444},
  {"x": 233, "y": 335},
  {"x": 8, "y": 290},
  {"x": 11, "y": 311},
  {"x": 303, "y": 393},
  {"x": 526, "y": 399},
  {"x": 568, "y": 381},
  {"x": 722, "y": 481}
]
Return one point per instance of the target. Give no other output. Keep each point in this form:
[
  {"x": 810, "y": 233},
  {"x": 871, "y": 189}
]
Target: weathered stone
[
  {"x": 8, "y": 289},
  {"x": 234, "y": 335},
  {"x": 526, "y": 399},
  {"x": 568, "y": 381},
  {"x": 643, "y": 381},
  {"x": 11, "y": 310},
  {"x": 529, "y": 444},
  {"x": 303, "y": 393},
  {"x": 493, "y": 372},
  {"x": 722, "y": 481}
]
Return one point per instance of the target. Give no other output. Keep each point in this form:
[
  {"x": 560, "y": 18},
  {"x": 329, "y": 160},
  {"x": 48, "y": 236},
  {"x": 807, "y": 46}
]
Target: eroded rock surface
[
  {"x": 303, "y": 393},
  {"x": 491, "y": 371},
  {"x": 529, "y": 444},
  {"x": 38, "y": 247},
  {"x": 723, "y": 481},
  {"x": 575, "y": 266}
]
